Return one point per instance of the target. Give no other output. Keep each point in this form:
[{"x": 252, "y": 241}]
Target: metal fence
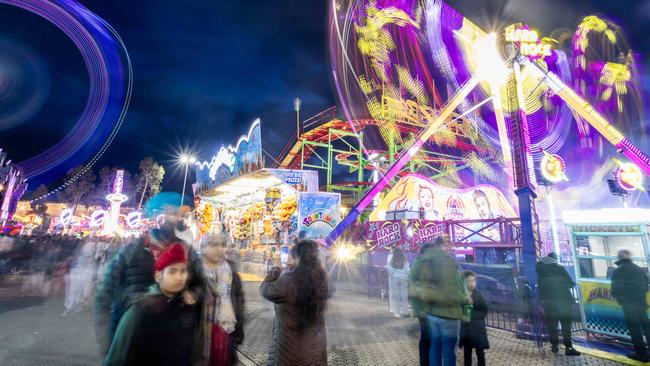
[{"x": 507, "y": 295}]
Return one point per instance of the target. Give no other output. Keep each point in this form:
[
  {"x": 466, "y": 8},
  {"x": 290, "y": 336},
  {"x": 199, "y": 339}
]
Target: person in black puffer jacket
[
  {"x": 555, "y": 294},
  {"x": 629, "y": 288},
  {"x": 129, "y": 275}
]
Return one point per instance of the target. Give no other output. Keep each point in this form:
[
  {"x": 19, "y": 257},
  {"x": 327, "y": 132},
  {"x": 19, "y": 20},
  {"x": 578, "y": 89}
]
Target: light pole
[
  {"x": 186, "y": 160},
  {"x": 296, "y": 107}
]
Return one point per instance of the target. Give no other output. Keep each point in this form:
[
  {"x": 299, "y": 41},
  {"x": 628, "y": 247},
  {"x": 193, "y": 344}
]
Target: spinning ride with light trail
[
  {"x": 109, "y": 92},
  {"x": 517, "y": 82}
]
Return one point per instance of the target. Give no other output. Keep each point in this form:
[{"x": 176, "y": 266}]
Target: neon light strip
[{"x": 245, "y": 138}]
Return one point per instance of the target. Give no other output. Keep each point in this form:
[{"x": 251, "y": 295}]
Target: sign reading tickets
[
  {"x": 407, "y": 235},
  {"x": 318, "y": 214},
  {"x": 232, "y": 161}
]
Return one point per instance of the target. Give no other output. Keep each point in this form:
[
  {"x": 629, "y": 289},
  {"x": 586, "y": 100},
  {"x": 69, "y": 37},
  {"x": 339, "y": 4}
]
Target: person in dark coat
[
  {"x": 473, "y": 334},
  {"x": 222, "y": 314},
  {"x": 629, "y": 288},
  {"x": 129, "y": 275},
  {"x": 160, "y": 328},
  {"x": 299, "y": 337},
  {"x": 555, "y": 286}
]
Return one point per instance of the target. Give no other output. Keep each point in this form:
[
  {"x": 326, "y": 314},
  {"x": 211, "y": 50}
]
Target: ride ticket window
[{"x": 597, "y": 254}]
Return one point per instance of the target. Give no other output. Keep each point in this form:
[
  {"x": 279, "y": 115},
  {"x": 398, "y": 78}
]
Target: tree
[
  {"x": 104, "y": 185},
  {"x": 39, "y": 205},
  {"x": 149, "y": 179},
  {"x": 78, "y": 191}
]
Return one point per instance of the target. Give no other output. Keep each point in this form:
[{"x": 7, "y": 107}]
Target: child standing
[
  {"x": 473, "y": 334},
  {"x": 158, "y": 329}
]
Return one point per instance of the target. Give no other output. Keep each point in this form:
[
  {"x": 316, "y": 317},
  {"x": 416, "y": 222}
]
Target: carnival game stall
[
  {"x": 595, "y": 238},
  {"x": 267, "y": 207},
  {"x": 260, "y": 209}
]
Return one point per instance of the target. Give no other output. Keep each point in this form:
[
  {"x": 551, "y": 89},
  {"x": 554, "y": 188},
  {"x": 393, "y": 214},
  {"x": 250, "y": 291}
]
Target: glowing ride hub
[{"x": 116, "y": 199}]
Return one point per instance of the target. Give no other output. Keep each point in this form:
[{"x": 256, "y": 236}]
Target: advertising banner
[
  {"x": 602, "y": 313},
  {"x": 231, "y": 162},
  {"x": 423, "y": 199},
  {"x": 407, "y": 235},
  {"x": 300, "y": 180},
  {"x": 319, "y": 213}
]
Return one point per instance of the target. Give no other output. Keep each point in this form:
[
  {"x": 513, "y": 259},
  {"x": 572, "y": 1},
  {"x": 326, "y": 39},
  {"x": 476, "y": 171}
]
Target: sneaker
[
  {"x": 554, "y": 348},
  {"x": 638, "y": 357},
  {"x": 571, "y": 352}
]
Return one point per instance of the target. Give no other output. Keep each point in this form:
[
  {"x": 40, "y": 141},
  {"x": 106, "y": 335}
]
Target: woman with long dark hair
[{"x": 300, "y": 296}]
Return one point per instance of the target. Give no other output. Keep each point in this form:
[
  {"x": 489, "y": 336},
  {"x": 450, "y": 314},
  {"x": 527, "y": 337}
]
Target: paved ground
[{"x": 360, "y": 332}]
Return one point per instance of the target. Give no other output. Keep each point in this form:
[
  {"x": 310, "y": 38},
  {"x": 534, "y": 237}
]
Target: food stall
[{"x": 595, "y": 238}]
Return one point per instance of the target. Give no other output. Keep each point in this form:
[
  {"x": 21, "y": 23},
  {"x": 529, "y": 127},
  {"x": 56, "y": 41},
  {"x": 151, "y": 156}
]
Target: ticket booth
[{"x": 596, "y": 236}]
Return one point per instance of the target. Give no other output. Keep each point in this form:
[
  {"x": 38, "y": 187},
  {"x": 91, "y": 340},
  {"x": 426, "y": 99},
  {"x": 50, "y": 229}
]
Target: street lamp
[{"x": 186, "y": 160}]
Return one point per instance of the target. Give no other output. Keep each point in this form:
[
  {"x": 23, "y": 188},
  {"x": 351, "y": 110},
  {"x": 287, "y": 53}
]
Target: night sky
[{"x": 203, "y": 70}]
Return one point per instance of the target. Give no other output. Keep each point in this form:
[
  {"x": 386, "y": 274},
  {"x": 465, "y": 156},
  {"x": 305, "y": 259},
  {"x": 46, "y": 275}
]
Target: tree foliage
[
  {"x": 78, "y": 191},
  {"x": 149, "y": 179}
]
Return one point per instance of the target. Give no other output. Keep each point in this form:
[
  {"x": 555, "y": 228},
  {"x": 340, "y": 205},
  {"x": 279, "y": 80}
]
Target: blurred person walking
[
  {"x": 160, "y": 327},
  {"x": 130, "y": 273},
  {"x": 221, "y": 324},
  {"x": 629, "y": 288},
  {"x": 79, "y": 279},
  {"x": 555, "y": 286},
  {"x": 425, "y": 342},
  {"x": 438, "y": 292},
  {"x": 300, "y": 296},
  {"x": 398, "y": 277},
  {"x": 473, "y": 333}
]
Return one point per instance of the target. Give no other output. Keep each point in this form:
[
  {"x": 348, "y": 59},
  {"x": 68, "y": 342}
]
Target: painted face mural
[{"x": 482, "y": 204}]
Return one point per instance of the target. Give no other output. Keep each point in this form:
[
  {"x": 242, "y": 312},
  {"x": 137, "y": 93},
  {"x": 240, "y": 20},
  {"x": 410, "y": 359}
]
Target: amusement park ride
[{"x": 448, "y": 137}]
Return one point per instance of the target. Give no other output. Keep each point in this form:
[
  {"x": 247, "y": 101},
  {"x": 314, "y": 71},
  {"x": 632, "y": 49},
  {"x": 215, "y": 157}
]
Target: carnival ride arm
[
  {"x": 591, "y": 115},
  {"x": 404, "y": 158}
]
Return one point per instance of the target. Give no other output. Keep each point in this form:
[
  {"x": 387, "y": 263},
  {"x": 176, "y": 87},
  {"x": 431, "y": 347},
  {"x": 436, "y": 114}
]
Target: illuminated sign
[
  {"x": 553, "y": 167},
  {"x": 318, "y": 217},
  {"x": 232, "y": 161},
  {"x": 628, "y": 176},
  {"x": 527, "y": 41},
  {"x": 98, "y": 218},
  {"x": 118, "y": 183},
  {"x": 134, "y": 219},
  {"x": 389, "y": 233},
  {"x": 66, "y": 217}
]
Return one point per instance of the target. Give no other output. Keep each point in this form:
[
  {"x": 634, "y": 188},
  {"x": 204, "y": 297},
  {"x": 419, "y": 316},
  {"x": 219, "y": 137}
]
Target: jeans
[
  {"x": 398, "y": 293},
  {"x": 637, "y": 321},
  {"x": 425, "y": 343},
  {"x": 444, "y": 339}
]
